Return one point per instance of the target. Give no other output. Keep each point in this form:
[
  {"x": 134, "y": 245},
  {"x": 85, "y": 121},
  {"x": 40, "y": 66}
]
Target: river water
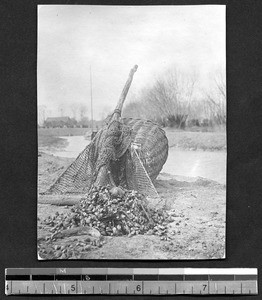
[{"x": 207, "y": 164}]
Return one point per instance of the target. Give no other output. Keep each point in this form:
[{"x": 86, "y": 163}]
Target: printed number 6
[{"x": 138, "y": 288}]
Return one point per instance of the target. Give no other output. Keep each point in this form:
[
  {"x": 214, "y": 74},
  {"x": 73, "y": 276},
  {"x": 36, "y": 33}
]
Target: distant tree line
[
  {"x": 61, "y": 122},
  {"x": 175, "y": 100},
  {"x": 77, "y": 117}
]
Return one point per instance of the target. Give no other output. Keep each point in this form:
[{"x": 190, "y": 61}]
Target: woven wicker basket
[{"x": 153, "y": 141}]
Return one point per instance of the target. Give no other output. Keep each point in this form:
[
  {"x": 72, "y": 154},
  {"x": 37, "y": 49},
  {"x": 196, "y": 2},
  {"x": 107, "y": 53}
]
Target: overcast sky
[{"x": 112, "y": 39}]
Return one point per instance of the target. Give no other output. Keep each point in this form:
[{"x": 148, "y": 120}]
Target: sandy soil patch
[{"x": 197, "y": 205}]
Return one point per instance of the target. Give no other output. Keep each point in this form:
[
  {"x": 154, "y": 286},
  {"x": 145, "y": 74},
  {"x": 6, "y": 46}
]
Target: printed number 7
[{"x": 204, "y": 287}]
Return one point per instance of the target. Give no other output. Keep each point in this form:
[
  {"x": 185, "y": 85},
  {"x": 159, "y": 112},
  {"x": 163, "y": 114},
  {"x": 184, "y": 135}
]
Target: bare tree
[
  {"x": 175, "y": 97},
  {"x": 171, "y": 96},
  {"x": 82, "y": 110},
  {"x": 215, "y": 101},
  {"x": 73, "y": 108},
  {"x": 104, "y": 112},
  {"x": 61, "y": 109},
  {"x": 167, "y": 101}
]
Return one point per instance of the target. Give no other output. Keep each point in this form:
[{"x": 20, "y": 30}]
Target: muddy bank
[{"x": 198, "y": 231}]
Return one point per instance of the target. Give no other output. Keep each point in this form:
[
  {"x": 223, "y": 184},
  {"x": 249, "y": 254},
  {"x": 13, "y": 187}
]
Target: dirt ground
[{"x": 197, "y": 206}]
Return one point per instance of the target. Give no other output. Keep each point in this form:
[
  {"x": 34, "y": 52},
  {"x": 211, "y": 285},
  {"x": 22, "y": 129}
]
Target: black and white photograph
[{"x": 132, "y": 114}]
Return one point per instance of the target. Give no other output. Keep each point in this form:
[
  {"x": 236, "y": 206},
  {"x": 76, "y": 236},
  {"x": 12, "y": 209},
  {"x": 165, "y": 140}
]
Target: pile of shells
[
  {"x": 70, "y": 249},
  {"x": 113, "y": 213}
]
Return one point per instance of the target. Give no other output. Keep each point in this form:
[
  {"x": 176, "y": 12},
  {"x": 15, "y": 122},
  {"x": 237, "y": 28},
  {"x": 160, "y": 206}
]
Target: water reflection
[{"x": 210, "y": 165}]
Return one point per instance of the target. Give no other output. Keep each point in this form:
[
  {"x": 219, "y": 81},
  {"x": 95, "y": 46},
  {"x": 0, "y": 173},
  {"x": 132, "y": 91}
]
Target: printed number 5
[
  {"x": 204, "y": 287},
  {"x": 73, "y": 287}
]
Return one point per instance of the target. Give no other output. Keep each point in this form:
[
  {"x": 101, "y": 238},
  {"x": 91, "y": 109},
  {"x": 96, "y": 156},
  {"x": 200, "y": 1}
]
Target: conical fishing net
[
  {"x": 126, "y": 152},
  {"x": 129, "y": 153}
]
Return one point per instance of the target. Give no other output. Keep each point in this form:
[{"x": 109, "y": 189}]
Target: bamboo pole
[{"x": 118, "y": 109}]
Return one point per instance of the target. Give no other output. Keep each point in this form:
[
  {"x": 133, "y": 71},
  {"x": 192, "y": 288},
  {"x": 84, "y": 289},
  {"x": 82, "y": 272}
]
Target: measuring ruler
[{"x": 137, "y": 281}]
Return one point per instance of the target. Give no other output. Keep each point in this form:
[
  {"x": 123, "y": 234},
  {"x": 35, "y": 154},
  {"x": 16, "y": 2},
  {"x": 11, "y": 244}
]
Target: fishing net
[
  {"x": 142, "y": 181},
  {"x": 92, "y": 164},
  {"x": 129, "y": 153},
  {"x": 125, "y": 152}
]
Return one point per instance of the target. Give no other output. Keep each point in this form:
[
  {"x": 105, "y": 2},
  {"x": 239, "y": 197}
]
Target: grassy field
[
  {"x": 62, "y": 131},
  {"x": 52, "y": 137},
  {"x": 186, "y": 140},
  {"x": 50, "y": 141}
]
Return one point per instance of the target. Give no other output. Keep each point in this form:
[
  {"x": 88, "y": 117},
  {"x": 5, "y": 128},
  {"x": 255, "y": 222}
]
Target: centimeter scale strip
[{"x": 138, "y": 281}]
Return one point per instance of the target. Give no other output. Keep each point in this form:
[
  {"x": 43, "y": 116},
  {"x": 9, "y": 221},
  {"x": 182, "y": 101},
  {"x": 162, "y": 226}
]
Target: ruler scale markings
[
  {"x": 158, "y": 281},
  {"x": 81, "y": 287}
]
